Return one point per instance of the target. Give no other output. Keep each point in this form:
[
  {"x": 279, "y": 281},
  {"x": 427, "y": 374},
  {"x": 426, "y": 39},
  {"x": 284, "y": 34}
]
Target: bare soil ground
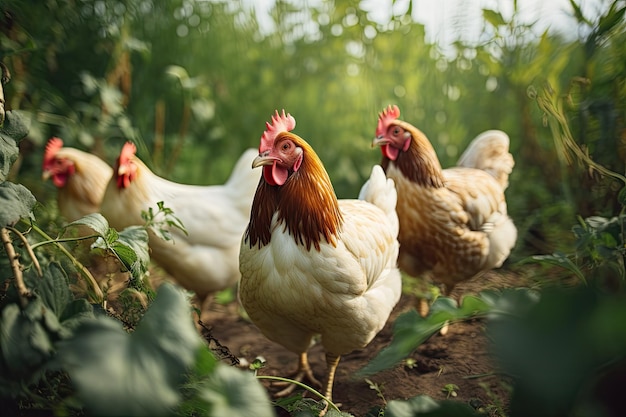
[{"x": 461, "y": 357}]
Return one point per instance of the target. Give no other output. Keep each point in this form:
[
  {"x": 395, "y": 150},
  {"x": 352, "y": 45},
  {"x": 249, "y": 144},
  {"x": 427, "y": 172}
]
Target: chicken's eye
[
  {"x": 286, "y": 146},
  {"x": 396, "y": 131}
]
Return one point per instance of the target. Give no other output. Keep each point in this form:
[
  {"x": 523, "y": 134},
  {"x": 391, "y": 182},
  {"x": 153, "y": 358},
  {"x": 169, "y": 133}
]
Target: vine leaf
[
  {"x": 16, "y": 202},
  {"x": 95, "y": 221},
  {"x": 116, "y": 373},
  {"x": 228, "y": 391},
  {"x": 29, "y": 335},
  {"x": 11, "y": 132}
]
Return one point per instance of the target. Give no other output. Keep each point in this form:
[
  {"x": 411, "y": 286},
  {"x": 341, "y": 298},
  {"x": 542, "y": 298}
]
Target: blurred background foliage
[{"x": 192, "y": 83}]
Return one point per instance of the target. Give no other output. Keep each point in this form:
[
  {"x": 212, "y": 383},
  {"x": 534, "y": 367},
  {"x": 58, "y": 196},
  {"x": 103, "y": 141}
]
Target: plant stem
[
  {"x": 29, "y": 249},
  {"x": 23, "y": 292},
  {"x": 300, "y": 384},
  {"x": 61, "y": 240},
  {"x": 99, "y": 297}
]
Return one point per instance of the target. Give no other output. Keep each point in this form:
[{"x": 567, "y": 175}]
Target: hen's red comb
[
  {"x": 128, "y": 151},
  {"x": 52, "y": 147},
  {"x": 386, "y": 117},
  {"x": 280, "y": 123}
]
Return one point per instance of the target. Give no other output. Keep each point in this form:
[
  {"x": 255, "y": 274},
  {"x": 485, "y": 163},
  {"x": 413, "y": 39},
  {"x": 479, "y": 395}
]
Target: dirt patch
[{"x": 461, "y": 358}]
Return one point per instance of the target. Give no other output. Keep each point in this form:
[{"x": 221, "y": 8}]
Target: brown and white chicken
[
  {"x": 206, "y": 258},
  {"x": 312, "y": 264},
  {"x": 81, "y": 179},
  {"x": 453, "y": 222}
]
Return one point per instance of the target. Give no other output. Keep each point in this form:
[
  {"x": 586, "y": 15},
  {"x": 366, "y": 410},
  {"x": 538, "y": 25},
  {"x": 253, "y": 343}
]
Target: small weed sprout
[
  {"x": 410, "y": 363},
  {"x": 450, "y": 390},
  {"x": 377, "y": 388}
]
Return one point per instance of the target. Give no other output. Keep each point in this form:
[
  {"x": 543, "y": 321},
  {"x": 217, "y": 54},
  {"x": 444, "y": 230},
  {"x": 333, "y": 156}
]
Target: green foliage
[
  {"x": 221, "y": 390},
  {"x": 58, "y": 356},
  {"x": 411, "y": 329},
  {"x": 16, "y": 202},
  {"x": 12, "y": 130},
  {"x": 162, "y": 221},
  {"x": 600, "y": 243},
  {"x": 563, "y": 352},
  {"x": 599, "y": 252},
  {"x": 130, "y": 246},
  {"x": 192, "y": 83},
  {"x": 147, "y": 365}
]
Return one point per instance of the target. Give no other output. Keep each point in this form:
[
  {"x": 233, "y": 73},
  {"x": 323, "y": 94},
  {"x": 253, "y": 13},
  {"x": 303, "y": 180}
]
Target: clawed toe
[{"x": 303, "y": 373}]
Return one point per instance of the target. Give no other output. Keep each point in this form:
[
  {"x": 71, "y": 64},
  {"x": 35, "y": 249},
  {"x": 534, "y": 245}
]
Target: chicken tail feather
[
  {"x": 242, "y": 177},
  {"x": 489, "y": 152},
  {"x": 381, "y": 192}
]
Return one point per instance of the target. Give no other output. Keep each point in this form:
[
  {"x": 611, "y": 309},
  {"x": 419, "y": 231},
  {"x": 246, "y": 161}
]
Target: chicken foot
[{"x": 304, "y": 371}]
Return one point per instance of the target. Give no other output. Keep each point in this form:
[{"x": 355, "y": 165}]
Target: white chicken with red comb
[
  {"x": 312, "y": 264},
  {"x": 206, "y": 258}
]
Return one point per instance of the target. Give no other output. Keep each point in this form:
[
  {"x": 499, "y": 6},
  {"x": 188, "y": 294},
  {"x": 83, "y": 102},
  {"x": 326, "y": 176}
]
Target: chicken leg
[
  {"x": 332, "y": 361},
  {"x": 303, "y": 371}
]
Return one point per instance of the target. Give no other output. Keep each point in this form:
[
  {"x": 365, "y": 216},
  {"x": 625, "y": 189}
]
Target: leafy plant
[
  {"x": 411, "y": 329},
  {"x": 62, "y": 354}
]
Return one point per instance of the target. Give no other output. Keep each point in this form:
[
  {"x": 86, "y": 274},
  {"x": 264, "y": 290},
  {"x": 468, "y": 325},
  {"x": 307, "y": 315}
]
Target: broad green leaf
[
  {"x": 560, "y": 348},
  {"x": 11, "y": 132},
  {"x": 16, "y": 202},
  {"x": 27, "y": 336},
  {"x": 132, "y": 247},
  {"x": 140, "y": 373},
  {"x": 54, "y": 291},
  {"x": 472, "y": 305},
  {"x": 53, "y": 288},
  {"x": 229, "y": 391},
  {"x": 205, "y": 362},
  {"x": 410, "y": 331},
  {"x": 95, "y": 221},
  {"x": 425, "y": 406}
]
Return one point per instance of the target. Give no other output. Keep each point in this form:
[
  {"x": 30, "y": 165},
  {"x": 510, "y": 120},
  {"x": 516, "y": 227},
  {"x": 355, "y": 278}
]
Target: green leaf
[
  {"x": 132, "y": 248},
  {"x": 11, "y": 132},
  {"x": 493, "y": 17},
  {"x": 425, "y": 406},
  {"x": 410, "y": 331},
  {"x": 16, "y": 202},
  {"x": 560, "y": 259},
  {"x": 560, "y": 349},
  {"x": 229, "y": 391},
  {"x": 117, "y": 373},
  {"x": 580, "y": 17},
  {"x": 26, "y": 335},
  {"x": 54, "y": 291},
  {"x": 94, "y": 221},
  {"x": 53, "y": 288}
]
